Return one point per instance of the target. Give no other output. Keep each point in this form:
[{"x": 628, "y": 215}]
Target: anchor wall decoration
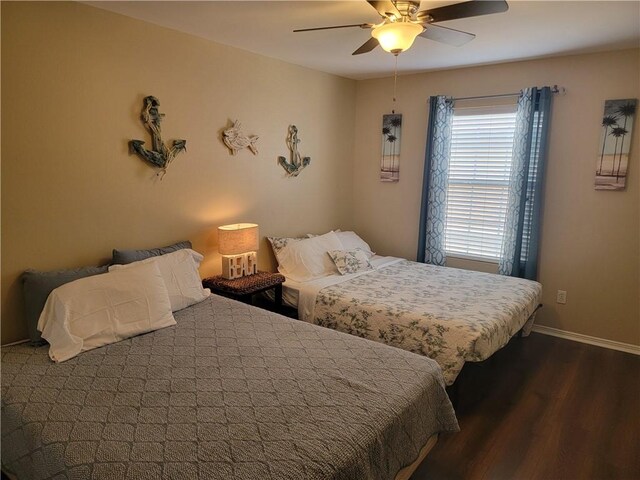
[
  {"x": 298, "y": 163},
  {"x": 160, "y": 156}
]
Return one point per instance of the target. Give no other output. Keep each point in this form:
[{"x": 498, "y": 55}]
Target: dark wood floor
[{"x": 544, "y": 408}]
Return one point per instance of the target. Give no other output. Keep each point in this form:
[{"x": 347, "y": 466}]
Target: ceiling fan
[{"x": 402, "y": 22}]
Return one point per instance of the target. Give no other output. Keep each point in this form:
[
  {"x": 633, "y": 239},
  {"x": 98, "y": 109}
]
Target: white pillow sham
[
  {"x": 308, "y": 259},
  {"x": 179, "y": 271},
  {"x": 95, "y": 311},
  {"x": 350, "y": 261},
  {"x": 351, "y": 241},
  {"x": 279, "y": 243}
]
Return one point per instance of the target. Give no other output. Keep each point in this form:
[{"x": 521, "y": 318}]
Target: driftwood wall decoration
[
  {"x": 298, "y": 163},
  {"x": 160, "y": 156},
  {"x": 235, "y": 140}
]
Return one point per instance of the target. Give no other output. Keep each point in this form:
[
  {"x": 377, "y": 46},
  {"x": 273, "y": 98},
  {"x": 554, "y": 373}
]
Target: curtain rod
[
  {"x": 502, "y": 95},
  {"x": 554, "y": 89}
]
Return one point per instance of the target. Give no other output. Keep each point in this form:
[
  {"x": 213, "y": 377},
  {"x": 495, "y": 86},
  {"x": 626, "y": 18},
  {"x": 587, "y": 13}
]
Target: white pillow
[
  {"x": 308, "y": 258},
  {"x": 179, "y": 271},
  {"x": 351, "y": 241},
  {"x": 95, "y": 311},
  {"x": 311, "y": 235},
  {"x": 350, "y": 261},
  {"x": 279, "y": 243}
]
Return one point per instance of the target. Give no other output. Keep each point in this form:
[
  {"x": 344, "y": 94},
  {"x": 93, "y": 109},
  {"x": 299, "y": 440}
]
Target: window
[{"x": 479, "y": 169}]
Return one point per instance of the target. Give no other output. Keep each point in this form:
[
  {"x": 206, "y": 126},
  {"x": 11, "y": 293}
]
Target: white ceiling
[{"x": 530, "y": 29}]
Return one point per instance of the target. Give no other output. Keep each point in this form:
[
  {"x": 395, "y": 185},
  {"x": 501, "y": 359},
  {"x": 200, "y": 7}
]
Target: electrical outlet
[{"x": 561, "y": 297}]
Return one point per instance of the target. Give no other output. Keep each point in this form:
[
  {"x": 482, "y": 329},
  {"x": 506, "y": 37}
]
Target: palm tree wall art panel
[
  {"x": 615, "y": 143},
  {"x": 391, "y": 136}
]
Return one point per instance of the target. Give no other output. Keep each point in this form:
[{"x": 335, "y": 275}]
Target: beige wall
[
  {"x": 73, "y": 78},
  {"x": 590, "y": 239}
]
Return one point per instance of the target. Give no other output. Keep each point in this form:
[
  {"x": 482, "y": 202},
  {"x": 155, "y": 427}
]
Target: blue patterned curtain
[
  {"x": 433, "y": 212},
  {"x": 519, "y": 257}
]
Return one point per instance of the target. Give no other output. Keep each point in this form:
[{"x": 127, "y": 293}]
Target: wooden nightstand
[{"x": 244, "y": 288}]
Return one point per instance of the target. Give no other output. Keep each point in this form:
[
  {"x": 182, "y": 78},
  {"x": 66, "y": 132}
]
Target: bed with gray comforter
[{"x": 230, "y": 392}]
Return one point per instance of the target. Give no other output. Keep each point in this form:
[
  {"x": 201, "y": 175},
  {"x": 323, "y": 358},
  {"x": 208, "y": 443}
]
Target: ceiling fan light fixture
[{"x": 396, "y": 37}]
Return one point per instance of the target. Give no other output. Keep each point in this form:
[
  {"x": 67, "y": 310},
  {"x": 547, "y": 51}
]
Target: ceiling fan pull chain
[{"x": 395, "y": 81}]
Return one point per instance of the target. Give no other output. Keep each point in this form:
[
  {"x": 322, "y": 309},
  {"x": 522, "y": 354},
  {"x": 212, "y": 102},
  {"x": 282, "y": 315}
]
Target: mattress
[
  {"x": 230, "y": 392},
  {"x": 447, "y": 314}
]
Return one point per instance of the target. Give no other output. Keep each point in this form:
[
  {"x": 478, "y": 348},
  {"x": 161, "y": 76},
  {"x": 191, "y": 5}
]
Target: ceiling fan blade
[
  {"x": 361, "y": 25},
  {"x": 384, "y": 7},
  {"x": 446, "y": 35},
  {"x": 367, "y": 46},
  {"x": 474, "y": 8}
]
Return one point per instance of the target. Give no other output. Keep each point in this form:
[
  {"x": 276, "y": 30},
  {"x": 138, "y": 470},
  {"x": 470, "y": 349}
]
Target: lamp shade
[
  {"x": 238, "y": 238},
  {"x": 397, "y": 37}
]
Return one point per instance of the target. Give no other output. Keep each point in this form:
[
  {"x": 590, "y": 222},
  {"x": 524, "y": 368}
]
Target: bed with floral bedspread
[{"x": 450, "y": 315}]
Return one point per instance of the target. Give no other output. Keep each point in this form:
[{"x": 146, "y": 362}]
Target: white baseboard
[
  {"x": 579, "y": 337},
  {"x": 15, "y": 343}
]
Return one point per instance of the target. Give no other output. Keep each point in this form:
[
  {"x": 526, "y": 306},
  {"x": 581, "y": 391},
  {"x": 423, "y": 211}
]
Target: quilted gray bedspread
[{"x": 230, "y": 392}]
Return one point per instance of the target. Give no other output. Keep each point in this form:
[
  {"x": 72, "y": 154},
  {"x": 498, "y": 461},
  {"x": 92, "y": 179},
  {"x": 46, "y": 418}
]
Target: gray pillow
[
  {"x": 122, "y": 257},
  {"x": 36, "y": 287}
]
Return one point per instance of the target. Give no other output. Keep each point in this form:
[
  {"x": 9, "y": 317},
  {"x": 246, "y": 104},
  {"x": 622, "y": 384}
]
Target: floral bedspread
[{"x": 447, "y": 314}]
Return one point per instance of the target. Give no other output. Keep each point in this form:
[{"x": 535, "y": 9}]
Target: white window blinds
[{"x": 479, "y": 169}]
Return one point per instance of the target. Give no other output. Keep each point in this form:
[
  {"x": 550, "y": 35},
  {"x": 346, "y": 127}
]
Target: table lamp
[{"x": 238, "y": 245}]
